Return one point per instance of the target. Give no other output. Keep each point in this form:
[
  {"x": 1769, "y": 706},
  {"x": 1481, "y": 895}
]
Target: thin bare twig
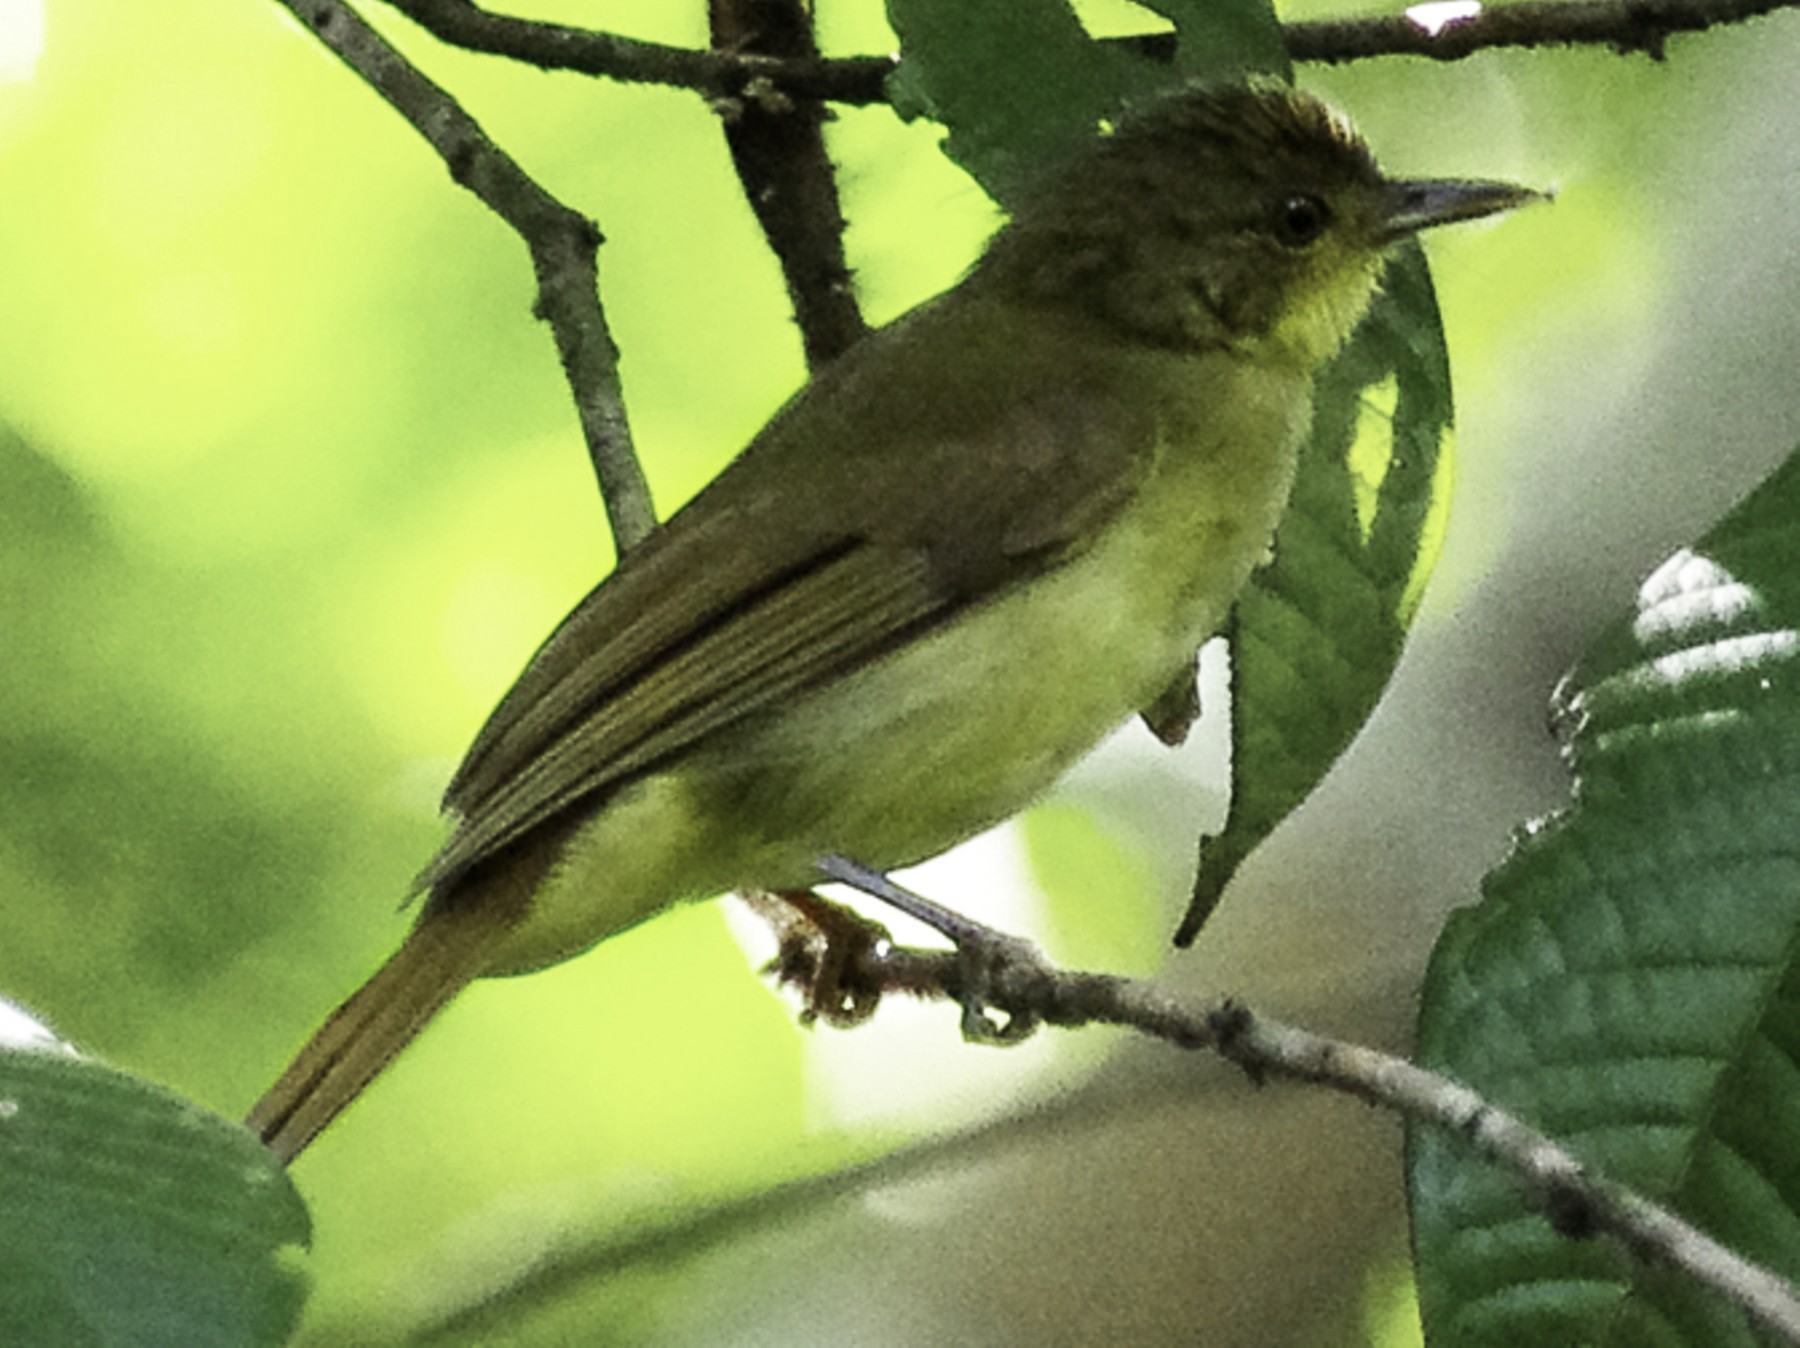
[
  {"x": 777, "y": 144},
  {"x": 563, "y": 243},
  {"x": 1577, "y": 1202},
  {"x": 1624, "y": 25},
  {"x": 556, "y": 46}
]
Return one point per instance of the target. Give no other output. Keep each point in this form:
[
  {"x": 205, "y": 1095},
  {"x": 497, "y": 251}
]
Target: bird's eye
[{"x": 1300, "y": 220}]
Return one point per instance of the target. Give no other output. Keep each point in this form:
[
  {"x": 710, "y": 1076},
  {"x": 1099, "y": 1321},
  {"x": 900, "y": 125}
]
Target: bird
[{"x": 967, "y": 549}]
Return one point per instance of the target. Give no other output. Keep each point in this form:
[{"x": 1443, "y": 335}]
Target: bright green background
[{"x": 290, "y": 489}]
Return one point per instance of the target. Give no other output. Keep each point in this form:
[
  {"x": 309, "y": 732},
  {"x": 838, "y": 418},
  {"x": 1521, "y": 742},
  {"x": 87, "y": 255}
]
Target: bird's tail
[{"x": 448, "y": 947}]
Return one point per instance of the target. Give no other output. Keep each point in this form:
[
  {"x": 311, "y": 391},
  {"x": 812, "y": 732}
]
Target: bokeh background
[{"x": 290, "y": 488}]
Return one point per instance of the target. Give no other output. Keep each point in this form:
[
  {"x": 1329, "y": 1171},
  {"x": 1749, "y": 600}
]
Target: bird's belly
[{"x": 954, "y": 732}]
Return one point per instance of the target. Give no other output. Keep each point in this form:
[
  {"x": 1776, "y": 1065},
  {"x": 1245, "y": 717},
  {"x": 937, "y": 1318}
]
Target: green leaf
[
  {"x": 1020, "y": 85},
  {"x": 132, "y": 1216},
  {"x": 1629, "y": 981},
  {"x": 1222, "y": 40},
  {"x": 1320, "y": 629}
]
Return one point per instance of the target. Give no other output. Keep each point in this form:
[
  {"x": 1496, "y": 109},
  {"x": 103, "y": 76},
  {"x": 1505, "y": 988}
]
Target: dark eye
[{"x": 1300, "y": 220}]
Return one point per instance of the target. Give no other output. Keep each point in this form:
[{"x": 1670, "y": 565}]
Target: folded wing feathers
[{"x": 822, "y": 621}]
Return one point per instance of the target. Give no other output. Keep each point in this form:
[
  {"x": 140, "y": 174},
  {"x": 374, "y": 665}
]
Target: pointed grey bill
[{"x": 1418, "y": 204}]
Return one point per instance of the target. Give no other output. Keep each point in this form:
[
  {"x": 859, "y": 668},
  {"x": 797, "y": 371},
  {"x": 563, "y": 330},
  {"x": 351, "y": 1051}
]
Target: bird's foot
[
  {"x": 990, "y": 963},
  {"x": 820, "y": 952}
]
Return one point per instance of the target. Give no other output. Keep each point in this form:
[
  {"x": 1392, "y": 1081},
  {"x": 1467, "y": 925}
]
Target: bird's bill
[{"x": 1418, "y": 204}]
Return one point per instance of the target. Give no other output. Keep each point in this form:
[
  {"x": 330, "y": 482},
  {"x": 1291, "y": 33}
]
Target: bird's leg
[
  {"x": 984, "y": 951},
  {"x": 820, "y": 949}
]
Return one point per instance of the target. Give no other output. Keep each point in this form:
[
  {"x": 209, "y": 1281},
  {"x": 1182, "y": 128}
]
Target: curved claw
[
  {"x": 985, "y": 956},
  {"x": 979, "y": 1027}
]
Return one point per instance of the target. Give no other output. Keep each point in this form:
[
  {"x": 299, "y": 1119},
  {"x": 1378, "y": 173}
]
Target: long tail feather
[{"x": 447, "y": 948}]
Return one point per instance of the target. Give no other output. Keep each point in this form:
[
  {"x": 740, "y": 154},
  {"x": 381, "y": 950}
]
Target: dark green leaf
[
  {"x": 1628, "y": 982},
  {"x": 1223, "y": 40},
  {"x": 1020, "y": 85},
  {"x": 132, "y": 1216},
  {"x": 1319, "y": 630}
]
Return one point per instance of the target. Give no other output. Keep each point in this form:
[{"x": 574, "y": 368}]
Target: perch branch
[{"x": 1578, "y": 1203}]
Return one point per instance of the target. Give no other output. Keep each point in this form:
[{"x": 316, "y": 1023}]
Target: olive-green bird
[{"x": 964, "y": 552}]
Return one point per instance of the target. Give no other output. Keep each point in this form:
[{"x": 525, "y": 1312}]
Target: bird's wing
[{"x": 748, "y": 597}]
